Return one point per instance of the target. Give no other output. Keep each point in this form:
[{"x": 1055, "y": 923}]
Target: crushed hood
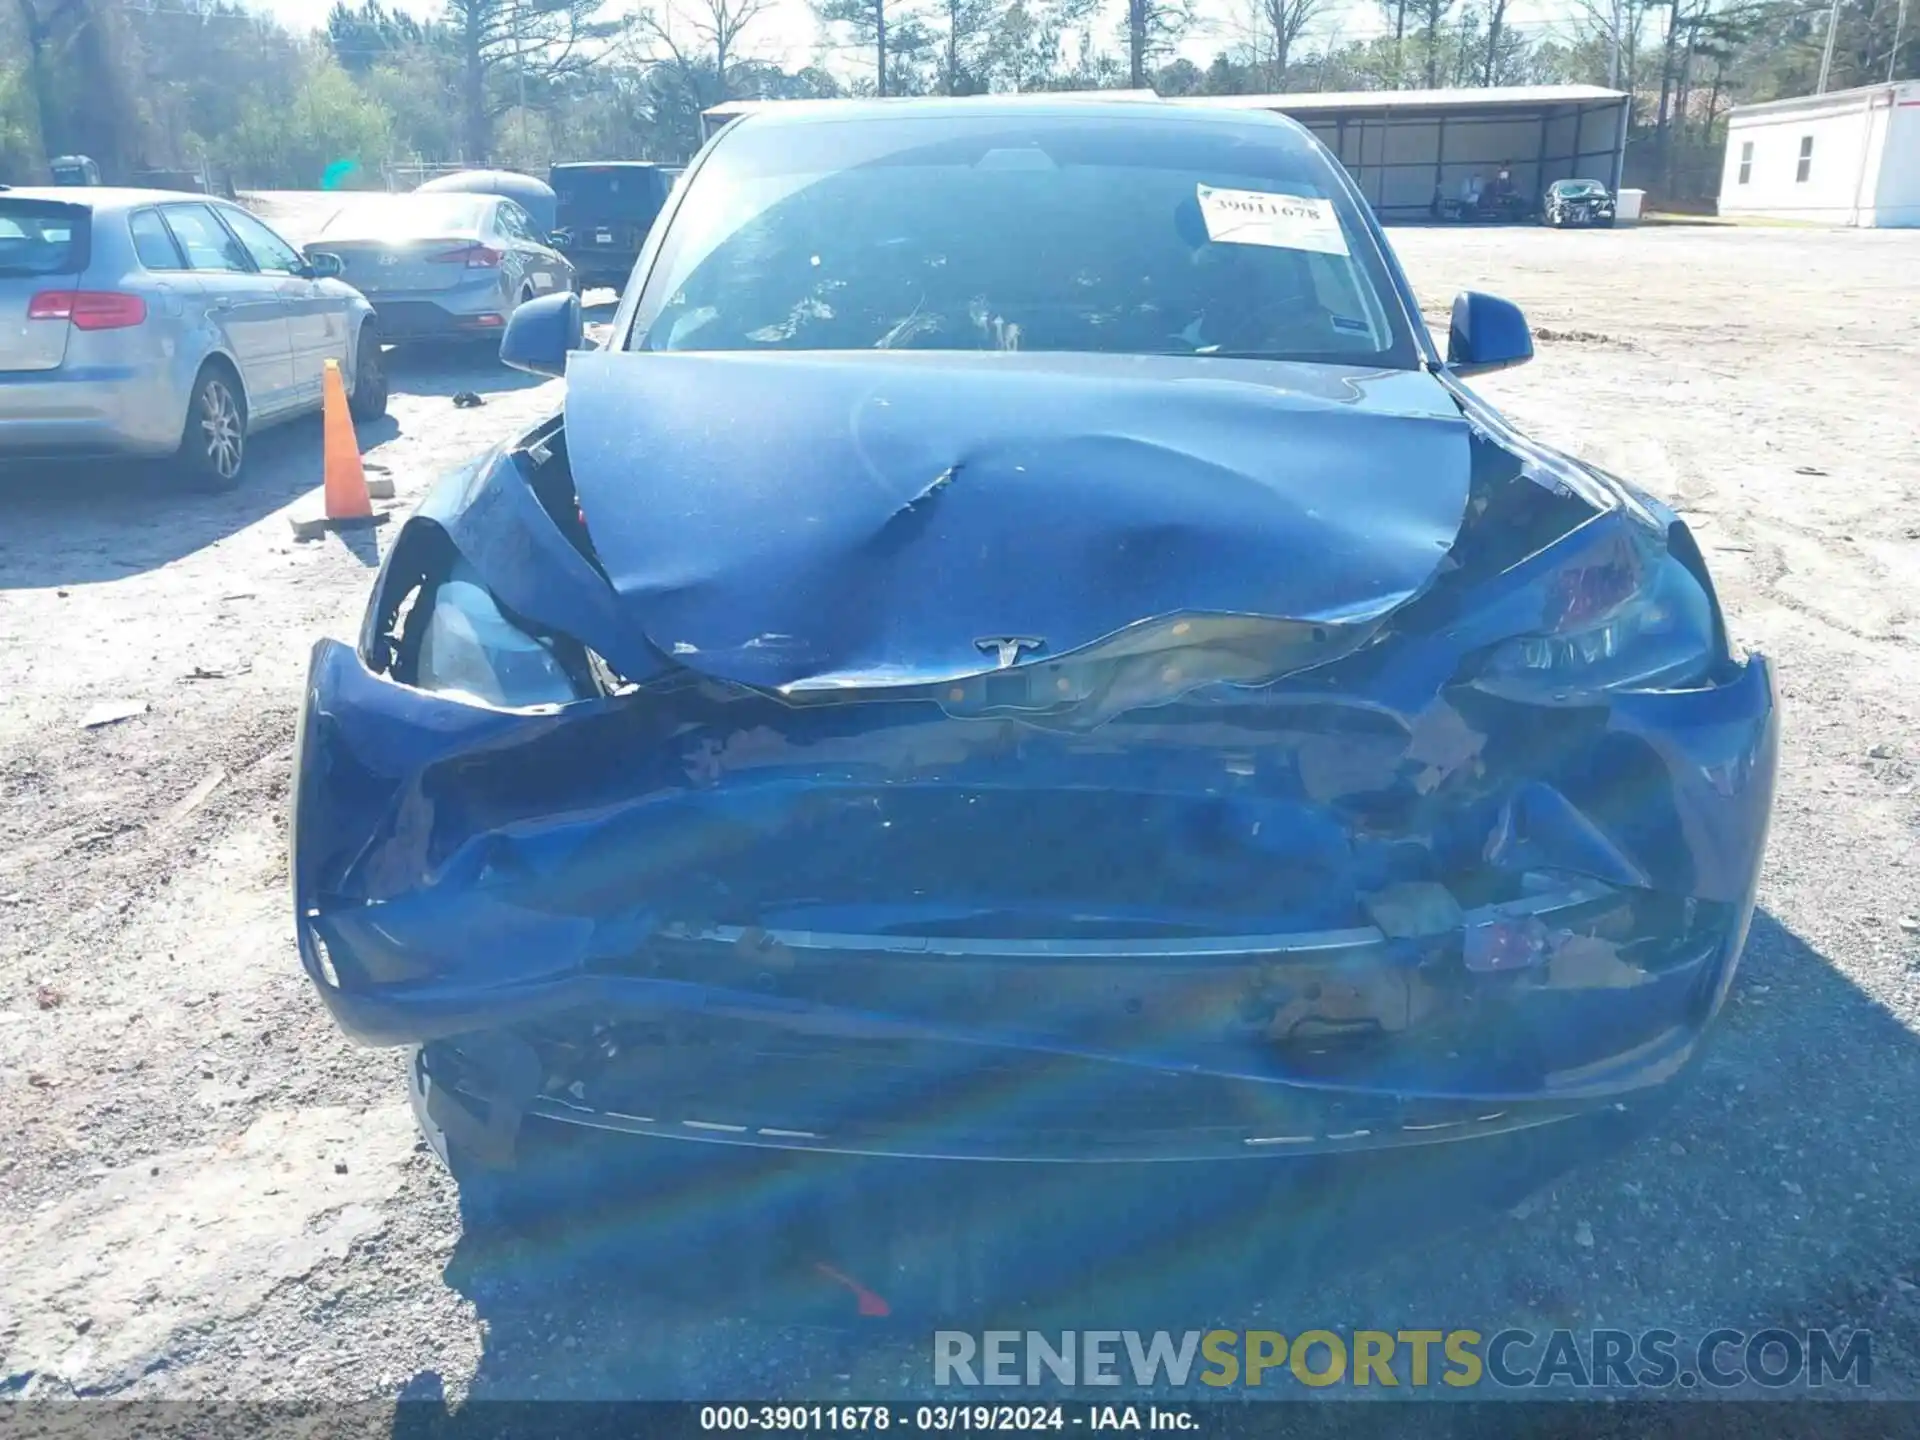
[{"x": 845, "y": 519}]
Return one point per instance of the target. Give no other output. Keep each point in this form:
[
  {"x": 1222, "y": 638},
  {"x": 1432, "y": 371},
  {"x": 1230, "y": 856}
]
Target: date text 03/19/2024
[{"x": 815, "y": 1419}]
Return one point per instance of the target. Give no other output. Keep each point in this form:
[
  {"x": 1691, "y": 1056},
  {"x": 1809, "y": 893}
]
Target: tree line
[{"x": 210, "y": 87}]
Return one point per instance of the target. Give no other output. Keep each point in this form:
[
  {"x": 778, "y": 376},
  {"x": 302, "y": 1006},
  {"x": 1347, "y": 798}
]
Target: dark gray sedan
[{"x": 442, "y": 266}]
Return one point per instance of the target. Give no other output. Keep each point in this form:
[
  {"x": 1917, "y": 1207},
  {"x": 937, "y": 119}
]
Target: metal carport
[{"x": 1400, "y": 144}]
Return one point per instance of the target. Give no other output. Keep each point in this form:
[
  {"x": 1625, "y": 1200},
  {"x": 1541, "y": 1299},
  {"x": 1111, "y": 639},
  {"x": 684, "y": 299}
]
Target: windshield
[
  {"x": 611, "y": 190},
  {"x": 407, "y": 217},
  {"x": 1034, "y": 233},
  {"x": 1580, "y": 187},
  {"x": 40, "y": 237}
]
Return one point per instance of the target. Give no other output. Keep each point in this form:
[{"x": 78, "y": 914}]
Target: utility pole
[
  {"x": 1826, "y": 56},
  {"x": 1899, "y": 29},
  {"x": 1613, "y": 51}
]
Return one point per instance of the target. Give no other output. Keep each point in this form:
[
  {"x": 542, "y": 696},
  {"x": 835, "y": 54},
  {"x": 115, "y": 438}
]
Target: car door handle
[{"x": 224, "y": 302}]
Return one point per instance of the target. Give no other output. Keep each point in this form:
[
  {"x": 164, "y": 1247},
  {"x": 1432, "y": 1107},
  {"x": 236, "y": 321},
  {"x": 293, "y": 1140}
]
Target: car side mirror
[
  {"x": 1487, "y": 334},
  {"x": 559, "y": 237},
  {"x": 323, "y": 266},
  {"x": 542, "y": 333}
]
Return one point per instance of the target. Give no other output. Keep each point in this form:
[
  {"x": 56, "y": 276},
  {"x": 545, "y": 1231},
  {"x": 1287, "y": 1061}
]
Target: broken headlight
[
  {"x": 1636, "y": 620},
  {"x": 471, "y": 651}
]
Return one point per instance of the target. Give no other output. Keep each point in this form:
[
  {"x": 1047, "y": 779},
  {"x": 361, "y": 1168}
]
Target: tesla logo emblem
[
  {"x": 1007, "y": 648},
  {"x": 389, "y": 259}
]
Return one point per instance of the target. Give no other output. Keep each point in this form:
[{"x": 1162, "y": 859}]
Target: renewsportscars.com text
[{"x": 1510, "y": 1358}]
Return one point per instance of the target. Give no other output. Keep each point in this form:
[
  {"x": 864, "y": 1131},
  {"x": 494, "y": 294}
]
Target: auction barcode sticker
[{"x": 1285, "y": 222}]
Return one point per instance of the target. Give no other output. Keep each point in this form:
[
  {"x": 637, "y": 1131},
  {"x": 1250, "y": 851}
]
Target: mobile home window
[
  {"x": 1746, "y": 161},
  {"x": 1806, "y": 159}
]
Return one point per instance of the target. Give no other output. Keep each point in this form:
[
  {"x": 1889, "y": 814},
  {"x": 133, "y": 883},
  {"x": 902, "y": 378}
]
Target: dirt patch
[{"x": 1578, "y": 337}]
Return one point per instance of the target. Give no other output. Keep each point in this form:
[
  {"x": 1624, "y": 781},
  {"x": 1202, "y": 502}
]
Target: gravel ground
[{"x": 204, "y": 1192}]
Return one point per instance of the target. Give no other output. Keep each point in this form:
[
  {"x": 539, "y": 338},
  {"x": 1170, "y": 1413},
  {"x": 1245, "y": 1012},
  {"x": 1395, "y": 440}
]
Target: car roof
[
  {"x": 502, "y": 184},
  {"x": 110, "y": 197},
  {"x": 372, "y": 199},
  {"x": 1266, "y": 125},
  {"x": 611, "y": 165},
  {"x": 366, "y": 207}
]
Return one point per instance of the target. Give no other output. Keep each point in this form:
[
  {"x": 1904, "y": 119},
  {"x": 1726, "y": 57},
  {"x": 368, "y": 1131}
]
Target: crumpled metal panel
[
  {"x": 493, "y": 519},
  {"x": 665, "y": 853},
  {"x": 944, "y": 506},
  {"x": 468, "y": 868}
]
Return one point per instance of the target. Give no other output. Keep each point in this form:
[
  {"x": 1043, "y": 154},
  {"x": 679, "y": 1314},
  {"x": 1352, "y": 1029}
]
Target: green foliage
[
  {"x": 1148, "y": 32},
  {"x": 201, "y": 68},
  {"x": 173, "y": 83},
  {"x": 292, "y": 139},
  {"x": 371, "y": 35},
  {"x": 1776, "y": 48},
  {"x": 417, "y": 87},
  {"x": 514, "y": 52},
  {"x": 18, "y": 133},
  {"x": 895, "y": 35}
]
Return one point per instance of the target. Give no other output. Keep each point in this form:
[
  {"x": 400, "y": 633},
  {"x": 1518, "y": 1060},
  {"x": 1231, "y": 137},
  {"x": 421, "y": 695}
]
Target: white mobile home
[{"x": 1851, "y": 157}]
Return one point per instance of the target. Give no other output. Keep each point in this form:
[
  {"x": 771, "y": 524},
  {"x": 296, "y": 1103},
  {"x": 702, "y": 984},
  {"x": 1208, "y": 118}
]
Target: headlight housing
[
  {"x": 1635, "y": 619},
  {"x": 469, "y": 650}
]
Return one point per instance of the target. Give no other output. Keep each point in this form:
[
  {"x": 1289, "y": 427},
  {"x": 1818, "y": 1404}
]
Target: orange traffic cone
[
  {"x": 347, "y": 500},
  {"x": 346, "y": 477}
]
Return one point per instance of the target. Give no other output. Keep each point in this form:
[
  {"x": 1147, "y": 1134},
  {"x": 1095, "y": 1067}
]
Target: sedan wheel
[
  {"x": 213, "y": 449},
  {"x": 369, "y": 398}
]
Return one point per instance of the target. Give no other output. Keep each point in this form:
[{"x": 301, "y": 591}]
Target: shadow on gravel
[
  {"x": 828, "y": 1280},
  {"x": 708, "y": 1272},
  {"x": 80, "y": 522},
  {"x": 446, "y": 370}
]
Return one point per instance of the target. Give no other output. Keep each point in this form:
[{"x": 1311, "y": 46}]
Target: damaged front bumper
[{"x": 1245, "y": 923}]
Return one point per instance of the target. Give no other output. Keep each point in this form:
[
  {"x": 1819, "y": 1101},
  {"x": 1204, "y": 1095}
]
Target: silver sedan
[
  {"x": 441, "y": 266},
  {"x": 151, "y": 323}
]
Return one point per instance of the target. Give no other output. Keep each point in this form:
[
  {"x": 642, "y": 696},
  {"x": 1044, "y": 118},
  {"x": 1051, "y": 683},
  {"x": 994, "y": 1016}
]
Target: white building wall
[
  {"x": 1860, "y": 141},
  {"x": 1897, "y": 197}
]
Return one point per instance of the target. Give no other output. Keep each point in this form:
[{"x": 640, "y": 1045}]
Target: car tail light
[
  {"x": 89, "y": 309},
  {"x": 474, "y": 257}
]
